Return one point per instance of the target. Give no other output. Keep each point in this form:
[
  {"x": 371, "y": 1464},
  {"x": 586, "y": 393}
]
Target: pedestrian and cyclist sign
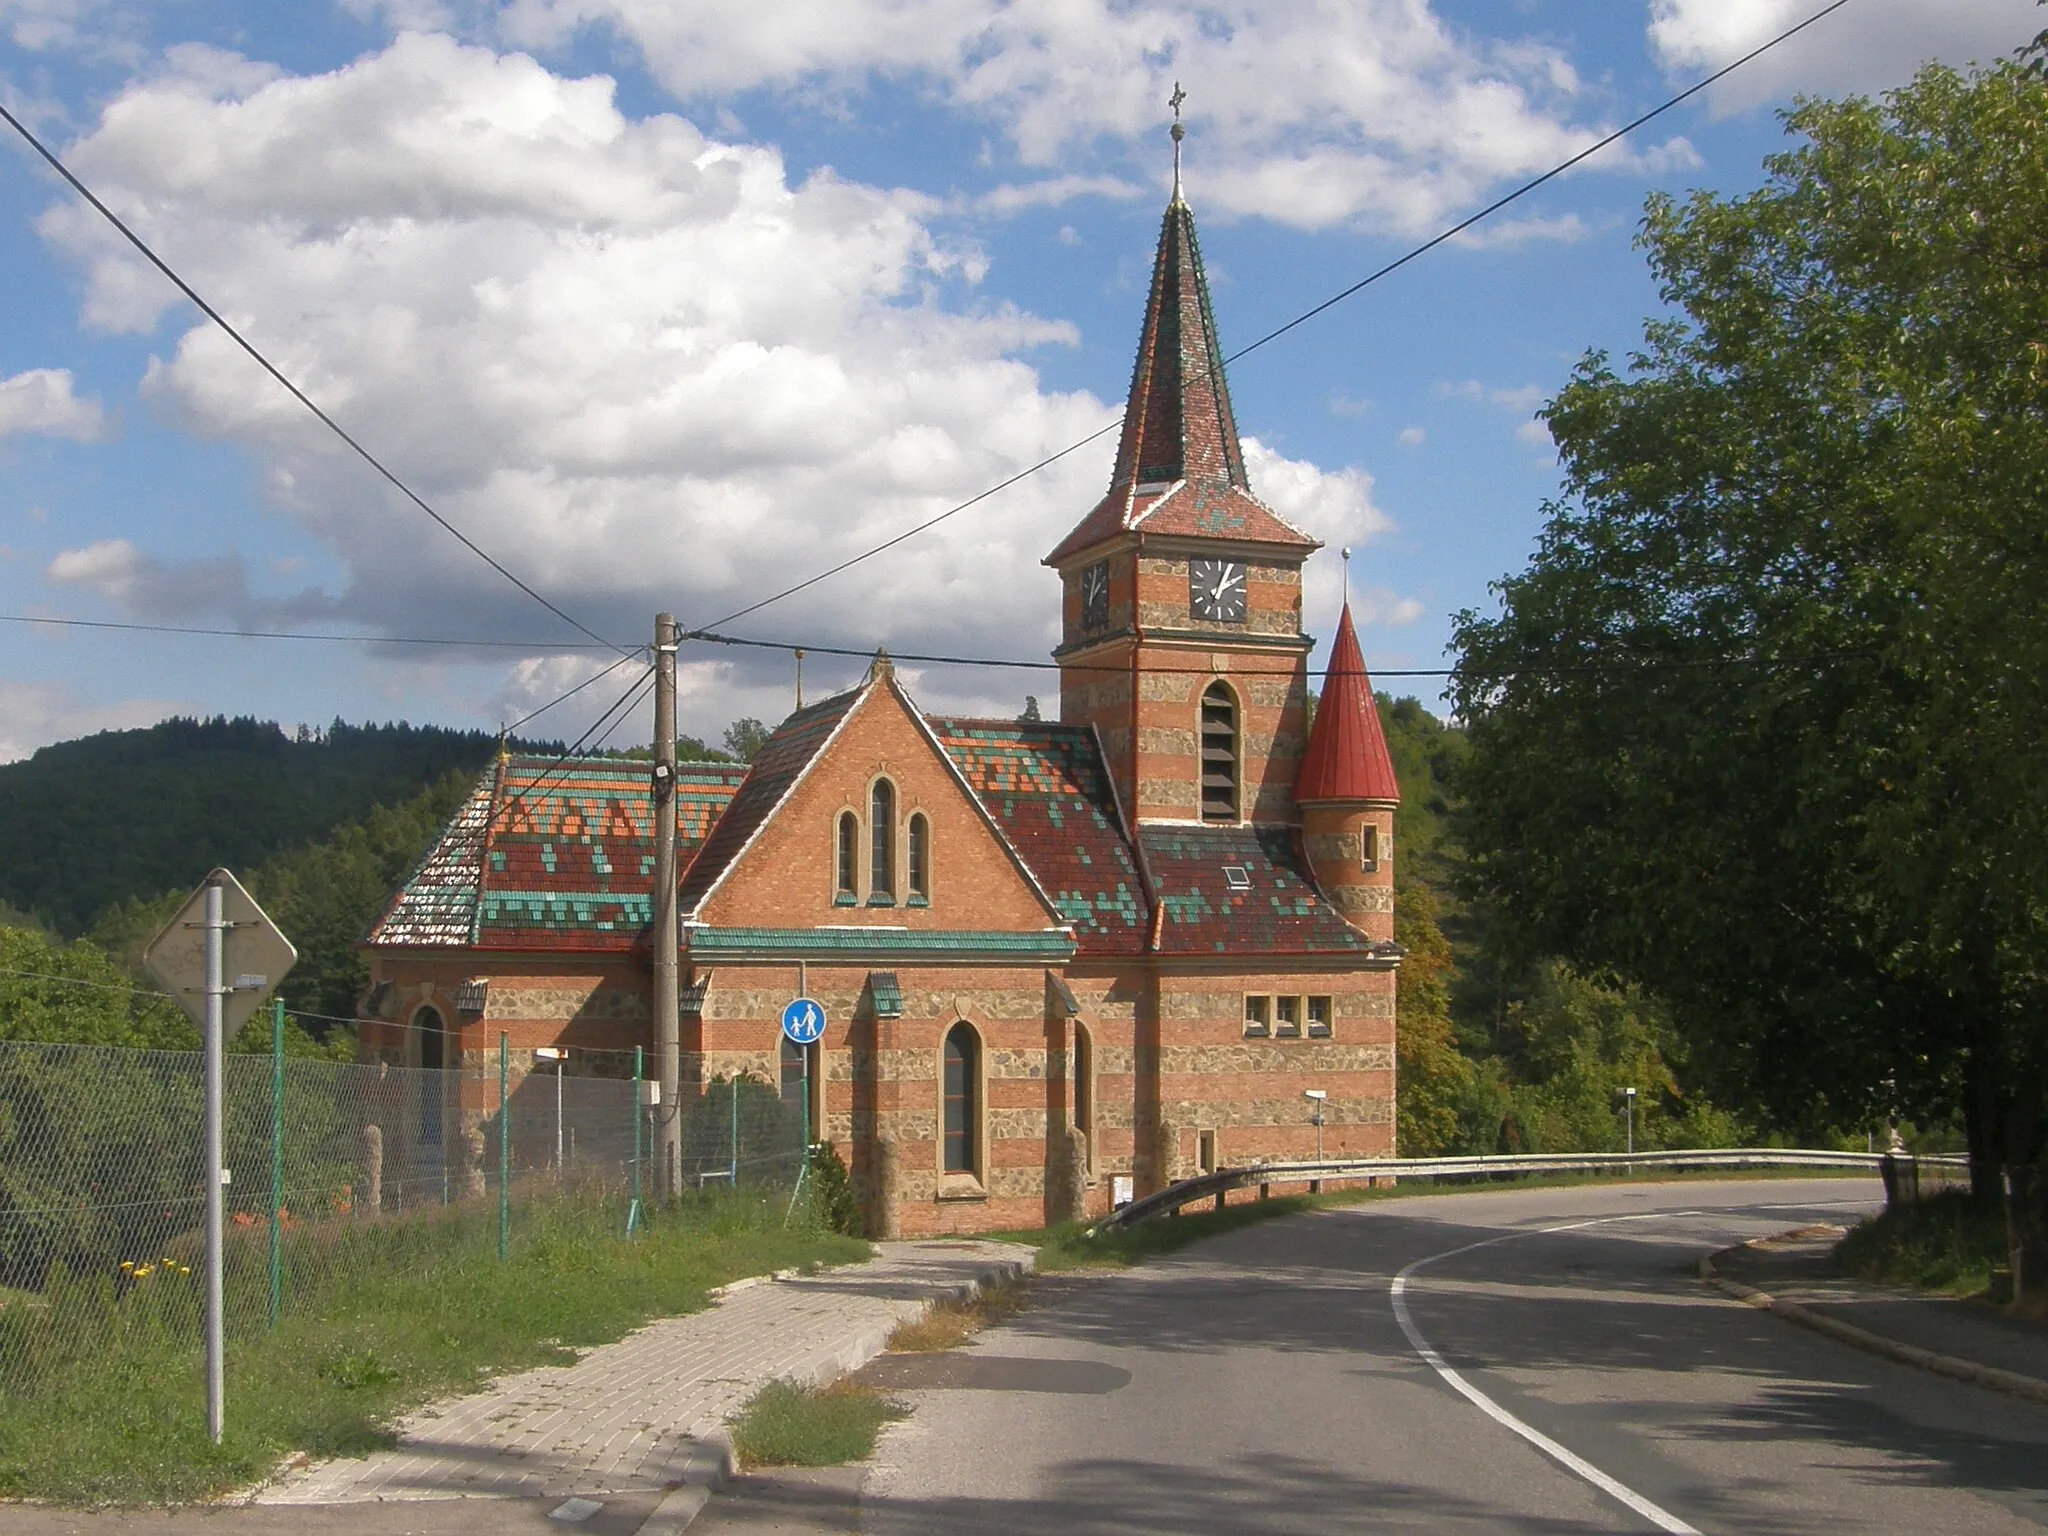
[{"x": 803, "y": 1021}]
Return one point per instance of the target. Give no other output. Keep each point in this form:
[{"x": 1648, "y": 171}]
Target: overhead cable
[
  {"x": 1308, "y": 314},
  {"x": 296, "y": 393}
]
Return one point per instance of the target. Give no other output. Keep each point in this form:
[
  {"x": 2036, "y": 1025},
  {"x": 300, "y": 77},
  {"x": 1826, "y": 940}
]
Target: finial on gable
[
  {"x": 1179, "y": 131},
  {"x": 882, "y": 667}
]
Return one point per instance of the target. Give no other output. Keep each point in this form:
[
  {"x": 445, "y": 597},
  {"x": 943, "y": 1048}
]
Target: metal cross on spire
[{"x": 1179, "y": 131}]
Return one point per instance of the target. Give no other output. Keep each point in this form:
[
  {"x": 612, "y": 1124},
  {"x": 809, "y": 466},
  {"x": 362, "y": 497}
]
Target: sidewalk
[
  {"x": 1793, "y": 1275},
  {"x": 648, "y": 1412}
]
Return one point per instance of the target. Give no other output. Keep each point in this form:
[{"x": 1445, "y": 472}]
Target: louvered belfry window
[{"x": 1219, "y": 754}]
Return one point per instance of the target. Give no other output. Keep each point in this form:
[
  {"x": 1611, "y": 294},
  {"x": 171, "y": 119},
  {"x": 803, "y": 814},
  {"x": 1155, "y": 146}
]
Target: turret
[{"x": 1347, "y": 793}]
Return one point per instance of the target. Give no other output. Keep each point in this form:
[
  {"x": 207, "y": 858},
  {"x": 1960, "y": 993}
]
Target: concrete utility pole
[{"x": 668, "y": 1024}]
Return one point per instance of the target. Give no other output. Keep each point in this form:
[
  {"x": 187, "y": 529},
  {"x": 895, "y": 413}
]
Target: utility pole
[
  {"x": 668, "y": 1024},
  {"x": 216, "y": 989}
]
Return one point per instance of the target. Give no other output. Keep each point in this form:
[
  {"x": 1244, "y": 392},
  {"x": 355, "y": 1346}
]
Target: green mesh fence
[{"x": 335, "y": 1171}]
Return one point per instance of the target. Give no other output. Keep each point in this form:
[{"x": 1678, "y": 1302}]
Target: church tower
[{"x": 1181, "y": 638}]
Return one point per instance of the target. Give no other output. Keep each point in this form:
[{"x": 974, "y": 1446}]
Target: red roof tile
[
  {"x": 1272, "y": 907},
  {"x": 1347, "y": 756}
]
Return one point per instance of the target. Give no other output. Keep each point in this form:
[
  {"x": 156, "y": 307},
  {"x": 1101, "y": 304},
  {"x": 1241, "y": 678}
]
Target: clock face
[
  {"x": 1095, "y": 595},
  {"x": 1216, "y": 591}
]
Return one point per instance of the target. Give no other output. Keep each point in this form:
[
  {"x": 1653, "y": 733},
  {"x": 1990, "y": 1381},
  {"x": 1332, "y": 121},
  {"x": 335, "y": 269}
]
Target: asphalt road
[{"x": 1265, "y": 1382}]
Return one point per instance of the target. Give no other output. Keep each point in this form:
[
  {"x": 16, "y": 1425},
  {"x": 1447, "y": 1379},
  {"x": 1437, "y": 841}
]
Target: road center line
[{"x": 1656, "y": 1514}]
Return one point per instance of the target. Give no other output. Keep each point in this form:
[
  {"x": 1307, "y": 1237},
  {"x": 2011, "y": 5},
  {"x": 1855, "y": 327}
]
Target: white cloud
[
  {"x": 1868, "y": 47},
  {"x": 34, "y": 715},
  {"x": 41, "y": 400},
  {"x": 142, "y": 586},
  {"x": 1525, "y": 397},
  {"x": 1534, "y": 433},
  {"x": 634, "y": 362},
  {"x": 1312, "y": 113},
  {"x": 1382, "y": 606},
  {"x": 1052, "y": 191},
  {"x": 1349, "y": 405},
  {"x": 1412, "y": 437},
  {"x": 1507, "y": 234}
]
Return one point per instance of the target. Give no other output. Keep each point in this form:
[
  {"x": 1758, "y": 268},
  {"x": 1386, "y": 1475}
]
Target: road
[{"x": 1265, "y": 1382}]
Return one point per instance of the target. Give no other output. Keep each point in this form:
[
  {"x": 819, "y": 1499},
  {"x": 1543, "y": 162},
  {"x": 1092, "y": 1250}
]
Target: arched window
[
  {"x": 920, "y": 858},
  {"x": 1219, "y": 754},
  {"x": 849, "y": 855},
  {"x": 1084, "y": 1093},
  {"x": 963, "y": 1096},
  {"x": 882, "y": 841},
  {"x": 433, "y": 1056}
]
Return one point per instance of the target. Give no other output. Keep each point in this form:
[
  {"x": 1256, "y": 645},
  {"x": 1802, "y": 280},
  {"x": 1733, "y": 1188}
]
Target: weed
[
  {"x": 1949, "y": 1242},
  {"x": 949, "y": 1324},
  {"x": 786, "y": 1425}
]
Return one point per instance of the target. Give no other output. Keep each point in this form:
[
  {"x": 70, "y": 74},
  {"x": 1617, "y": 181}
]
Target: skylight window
[{"x": 1237, "y": 877}]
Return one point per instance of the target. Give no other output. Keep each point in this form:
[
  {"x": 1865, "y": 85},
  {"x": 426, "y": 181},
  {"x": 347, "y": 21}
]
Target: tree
[
  {"x": 1761, "y": 726},
  {"x": 745, "y": 738}
]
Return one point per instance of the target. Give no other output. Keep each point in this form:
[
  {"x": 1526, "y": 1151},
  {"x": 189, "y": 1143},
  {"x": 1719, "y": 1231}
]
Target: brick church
[{"x": 1061, "y": 963}]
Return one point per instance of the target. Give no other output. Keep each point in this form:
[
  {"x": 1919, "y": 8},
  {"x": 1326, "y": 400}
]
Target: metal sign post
[
  {"x": 220, "y": 957},
  {"x": 803, "y": 1025}
]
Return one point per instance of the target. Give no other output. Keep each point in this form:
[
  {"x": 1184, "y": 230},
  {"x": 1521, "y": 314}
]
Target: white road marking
[{"x": 1656, "y": 1514}]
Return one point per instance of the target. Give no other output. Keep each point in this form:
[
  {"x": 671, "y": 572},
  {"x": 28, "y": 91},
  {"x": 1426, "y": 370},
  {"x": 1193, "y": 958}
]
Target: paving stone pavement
[{"x": 634, "y": 1415}]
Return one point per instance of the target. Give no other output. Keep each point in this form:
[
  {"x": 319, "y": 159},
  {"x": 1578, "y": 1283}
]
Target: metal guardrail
[{"x": 1223, "y": 1180}]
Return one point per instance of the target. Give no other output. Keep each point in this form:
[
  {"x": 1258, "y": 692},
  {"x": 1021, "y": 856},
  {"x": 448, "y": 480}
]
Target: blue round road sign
[{"x": 803, "y": 1021}]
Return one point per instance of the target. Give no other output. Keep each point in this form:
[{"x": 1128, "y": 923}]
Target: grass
[
  {"x": 949, "y": 1324},
  {"x": 104, "y": 1402},
  {"x": 1948, "y": 1243},
  {"x": 786, "y": 1425}
]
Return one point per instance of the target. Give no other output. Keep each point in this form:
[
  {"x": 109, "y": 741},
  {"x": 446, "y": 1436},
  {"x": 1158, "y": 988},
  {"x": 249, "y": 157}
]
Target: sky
[{"x": 672, "y": 306}]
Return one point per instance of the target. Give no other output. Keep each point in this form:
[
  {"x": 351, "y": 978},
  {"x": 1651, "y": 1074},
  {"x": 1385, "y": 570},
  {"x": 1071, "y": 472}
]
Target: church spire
[
  {"x": 1347, "y": 757},
  {"x": 1179, "y": 465}
]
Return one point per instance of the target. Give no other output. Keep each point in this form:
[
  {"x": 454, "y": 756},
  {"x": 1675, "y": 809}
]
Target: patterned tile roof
[
  {"x": 552, "y": 854},
  {"x": 780, "y": 763},
  {"x": 1046, "y": 788},
  {"x": 437, "y": 903},
  {"x": 1278, "y": 911},
  {"x": 908, "y": 943}
]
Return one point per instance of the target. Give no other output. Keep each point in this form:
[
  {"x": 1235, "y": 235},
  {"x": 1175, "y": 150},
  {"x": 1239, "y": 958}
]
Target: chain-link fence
[{"x": 335, "y": 1172}]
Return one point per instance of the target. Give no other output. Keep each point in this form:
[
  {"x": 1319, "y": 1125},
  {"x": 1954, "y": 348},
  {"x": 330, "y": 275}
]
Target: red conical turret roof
[
  {"x": 1179, "y": 465},
  {"x": 1347, "y": 755}
]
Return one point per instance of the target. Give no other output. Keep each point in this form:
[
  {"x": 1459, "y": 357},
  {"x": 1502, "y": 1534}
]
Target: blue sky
[{"x": 672, "y": 305}]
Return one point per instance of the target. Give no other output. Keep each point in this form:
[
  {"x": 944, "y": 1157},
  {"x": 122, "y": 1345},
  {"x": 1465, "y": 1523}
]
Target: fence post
[
  {"x": 639, "y": 1127},
  {"x": 504, "y": 1144},
  {"x": 732, "y": 1177},
  {"x": 276, "y": 1158}
]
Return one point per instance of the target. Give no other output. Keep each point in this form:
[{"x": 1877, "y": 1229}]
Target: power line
[
  {"x": 449, "y": 641},
  {"x": 564, "y": 697},
  {"x": 1620, "y": 664},
  {"x": 619, "y": 708},
  {"x": 296, "y": 393},
  {"x": 1308, "y": 314}
]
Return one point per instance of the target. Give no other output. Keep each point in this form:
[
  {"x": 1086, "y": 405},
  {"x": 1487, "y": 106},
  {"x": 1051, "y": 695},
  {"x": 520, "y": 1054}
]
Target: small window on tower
[
  {"x": 1319, "y": 1015},
  {"x": 1219, "y": 754},
  {"x": 1369, "y": 848}
]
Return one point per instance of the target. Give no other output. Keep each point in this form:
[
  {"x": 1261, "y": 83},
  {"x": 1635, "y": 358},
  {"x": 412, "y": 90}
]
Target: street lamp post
[
  {"x": 1629, "y": 1098},
  {"x": 560, "y": 1057}
]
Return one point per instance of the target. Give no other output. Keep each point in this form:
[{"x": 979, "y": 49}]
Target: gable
[{"x": 786, "y": 875}]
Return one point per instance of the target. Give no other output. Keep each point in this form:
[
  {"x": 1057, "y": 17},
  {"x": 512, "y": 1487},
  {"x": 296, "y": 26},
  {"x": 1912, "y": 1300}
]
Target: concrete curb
[
  {"x": 2017, "y": 1384},
  {"x": 713, "y": 1461}
]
